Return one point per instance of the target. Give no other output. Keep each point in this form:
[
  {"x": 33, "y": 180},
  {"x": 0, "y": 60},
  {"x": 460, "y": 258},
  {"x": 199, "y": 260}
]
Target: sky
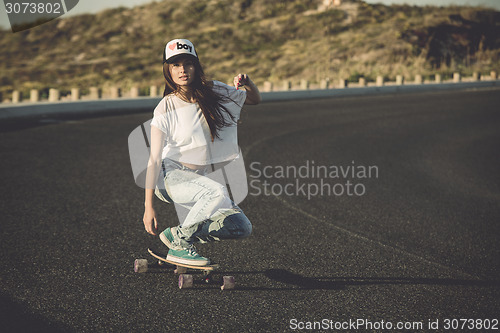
[{"x": 94, "y": 6}]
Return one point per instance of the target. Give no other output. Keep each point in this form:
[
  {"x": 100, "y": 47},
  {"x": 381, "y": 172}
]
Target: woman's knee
[
  {"x": 239, "y": 225},
  {"x": 247, "y": 230}
]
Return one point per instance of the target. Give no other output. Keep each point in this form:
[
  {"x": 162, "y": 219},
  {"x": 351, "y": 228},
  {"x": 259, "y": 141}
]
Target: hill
[{"x": 272, "y": 40}]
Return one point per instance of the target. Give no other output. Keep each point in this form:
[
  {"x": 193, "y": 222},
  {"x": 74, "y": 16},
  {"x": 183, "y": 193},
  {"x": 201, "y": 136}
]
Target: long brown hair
[{"x": 210, "y": 102}]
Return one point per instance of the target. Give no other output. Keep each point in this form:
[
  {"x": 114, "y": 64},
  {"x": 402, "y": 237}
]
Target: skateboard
[{"x": 185, "y": 280}]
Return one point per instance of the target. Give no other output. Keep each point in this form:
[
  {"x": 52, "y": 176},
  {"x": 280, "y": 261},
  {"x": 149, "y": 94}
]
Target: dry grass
[{"x": 271, "y": 40}]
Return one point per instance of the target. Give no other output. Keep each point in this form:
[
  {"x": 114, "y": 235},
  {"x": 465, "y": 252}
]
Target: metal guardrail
[{"x": 121, "y": 105}]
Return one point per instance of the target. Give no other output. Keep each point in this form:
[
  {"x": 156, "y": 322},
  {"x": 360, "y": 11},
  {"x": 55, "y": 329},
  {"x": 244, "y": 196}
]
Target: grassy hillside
[{"x": 271, "y": 40}]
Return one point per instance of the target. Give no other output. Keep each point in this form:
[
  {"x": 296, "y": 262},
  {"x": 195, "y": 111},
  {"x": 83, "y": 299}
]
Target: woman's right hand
[{"x": 149, "y": 219}]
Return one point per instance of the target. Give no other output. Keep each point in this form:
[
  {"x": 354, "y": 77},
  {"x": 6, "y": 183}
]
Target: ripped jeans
[{"x": 205, "y": 210}]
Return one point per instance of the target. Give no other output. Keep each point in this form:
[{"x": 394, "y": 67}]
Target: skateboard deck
[{"x": 185, "y": 280}]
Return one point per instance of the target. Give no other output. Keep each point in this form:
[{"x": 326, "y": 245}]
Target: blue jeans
[{"x": 205, "y": 210}]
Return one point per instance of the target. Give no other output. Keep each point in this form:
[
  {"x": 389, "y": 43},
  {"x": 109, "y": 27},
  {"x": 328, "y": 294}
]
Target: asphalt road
[{"x": 414, "y": 240}]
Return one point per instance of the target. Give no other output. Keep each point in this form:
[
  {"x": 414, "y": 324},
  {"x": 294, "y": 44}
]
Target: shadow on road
[
  {"x": 296, "y": 281},
  {"x": 16, "y": 317}
]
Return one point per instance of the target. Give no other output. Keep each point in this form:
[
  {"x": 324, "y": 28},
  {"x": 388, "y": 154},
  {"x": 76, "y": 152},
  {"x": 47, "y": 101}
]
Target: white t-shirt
[{"x": 188, "y": 137}]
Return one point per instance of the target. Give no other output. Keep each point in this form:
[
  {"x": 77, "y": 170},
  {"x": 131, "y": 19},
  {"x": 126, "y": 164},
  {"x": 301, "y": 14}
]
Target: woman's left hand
[
  {"x": 253, "y": 94},
  {"x": 241, "y": 80}
]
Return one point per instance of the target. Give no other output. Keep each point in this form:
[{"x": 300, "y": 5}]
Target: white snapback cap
[{"x": 178, "y": 47}]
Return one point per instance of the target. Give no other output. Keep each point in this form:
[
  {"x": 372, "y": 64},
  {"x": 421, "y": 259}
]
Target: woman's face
[{"x": 182, "y": 71}]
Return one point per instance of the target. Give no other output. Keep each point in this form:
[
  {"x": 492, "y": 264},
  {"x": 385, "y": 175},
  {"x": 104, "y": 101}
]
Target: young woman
[{"x": 193, "y": 132}]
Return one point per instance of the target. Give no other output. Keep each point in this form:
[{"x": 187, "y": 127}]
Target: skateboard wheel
[
  {"x": 185, "y": 281},
  {"x": 227, "y": 282},
  {"x": 140, "y": 265},
  {"x": 161, "y": 263}
]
